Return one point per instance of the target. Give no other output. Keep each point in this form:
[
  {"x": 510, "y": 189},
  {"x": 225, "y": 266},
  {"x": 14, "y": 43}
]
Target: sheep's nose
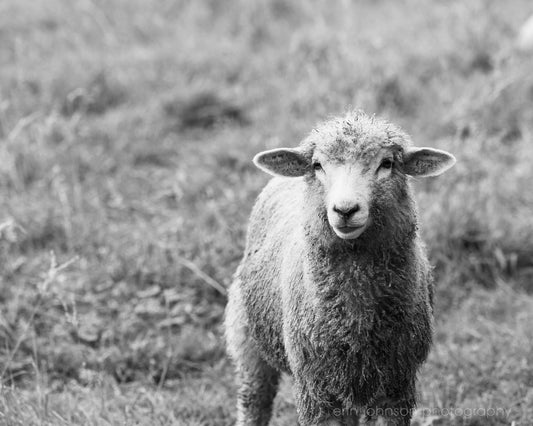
[{"x": 347, "y": 211}]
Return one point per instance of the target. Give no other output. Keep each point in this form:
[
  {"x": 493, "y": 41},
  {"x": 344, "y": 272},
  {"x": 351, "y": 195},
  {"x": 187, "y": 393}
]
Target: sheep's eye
[
  {"x": 317, "y": 166},
  {"x": 386, "y": 163}
]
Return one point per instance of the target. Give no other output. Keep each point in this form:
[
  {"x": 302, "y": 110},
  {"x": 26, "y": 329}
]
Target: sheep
[{"x": 335, "y": 287}]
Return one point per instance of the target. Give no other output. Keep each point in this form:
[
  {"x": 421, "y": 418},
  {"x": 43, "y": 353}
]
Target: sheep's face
[
  {"x": 356, "y": 169},
  {"x": 347, "y": 186}
]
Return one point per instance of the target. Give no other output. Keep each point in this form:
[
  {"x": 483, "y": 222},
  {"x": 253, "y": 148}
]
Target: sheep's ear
[
  {"x": 288, "y": 162},
  {"x": 425, "y": 162}
]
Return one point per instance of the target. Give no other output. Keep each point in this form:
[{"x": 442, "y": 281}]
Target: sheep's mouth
[
  {"x": 349, "y": 232},
  {"x": 348, "y": 229}
]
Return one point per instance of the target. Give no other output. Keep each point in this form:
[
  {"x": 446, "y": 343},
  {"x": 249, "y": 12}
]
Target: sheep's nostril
[{"x": 347, "y": 211}]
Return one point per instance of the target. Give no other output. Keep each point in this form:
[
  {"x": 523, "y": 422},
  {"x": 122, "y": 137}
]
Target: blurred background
[{"x": 127, "y": 129}]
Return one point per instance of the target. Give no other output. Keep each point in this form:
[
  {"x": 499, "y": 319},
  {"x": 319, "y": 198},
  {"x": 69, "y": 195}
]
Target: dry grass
[{"x": 126, "y": 133}]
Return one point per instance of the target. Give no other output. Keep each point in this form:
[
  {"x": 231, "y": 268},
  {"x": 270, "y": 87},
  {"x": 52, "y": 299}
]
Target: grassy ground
[{"x": 126, "y": 133}]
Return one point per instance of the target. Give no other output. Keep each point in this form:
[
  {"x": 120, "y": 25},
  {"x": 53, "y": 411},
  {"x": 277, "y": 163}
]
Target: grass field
[{"x": 127, "y": 129}]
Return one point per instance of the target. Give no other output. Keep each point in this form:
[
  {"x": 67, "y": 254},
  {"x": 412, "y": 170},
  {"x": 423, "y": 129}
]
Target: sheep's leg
[
  {"x": 346, "y": 422},
  {"x": 258, "y": 384},
  {"x": 389, "y": 421},
  {"x": 351, "y": 421},
  {"x": 391, "y": 415},
  {"x": 330, "y": 422},
  {"x": 257, "y": 381},
  {"x": 312, "y": 413}
]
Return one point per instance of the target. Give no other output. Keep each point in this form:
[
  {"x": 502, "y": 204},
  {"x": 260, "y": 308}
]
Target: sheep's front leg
[
  {"x": 391, "y": 414},
  {"x": 258, "y": 384},
  {"x": 330, "y": 422},
  {"x": 345, "y": 422},
  {"x": 389, "y": 421},
  {"x": 313, "y": 412},
  {"x": 257, "y": 381}
]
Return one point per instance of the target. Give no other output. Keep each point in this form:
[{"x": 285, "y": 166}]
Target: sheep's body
[{"x": 351, "y": 321}]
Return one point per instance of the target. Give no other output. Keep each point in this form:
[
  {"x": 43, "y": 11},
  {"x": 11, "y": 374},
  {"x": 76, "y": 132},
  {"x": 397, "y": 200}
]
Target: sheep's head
[{"x": 356, "y": 168}]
